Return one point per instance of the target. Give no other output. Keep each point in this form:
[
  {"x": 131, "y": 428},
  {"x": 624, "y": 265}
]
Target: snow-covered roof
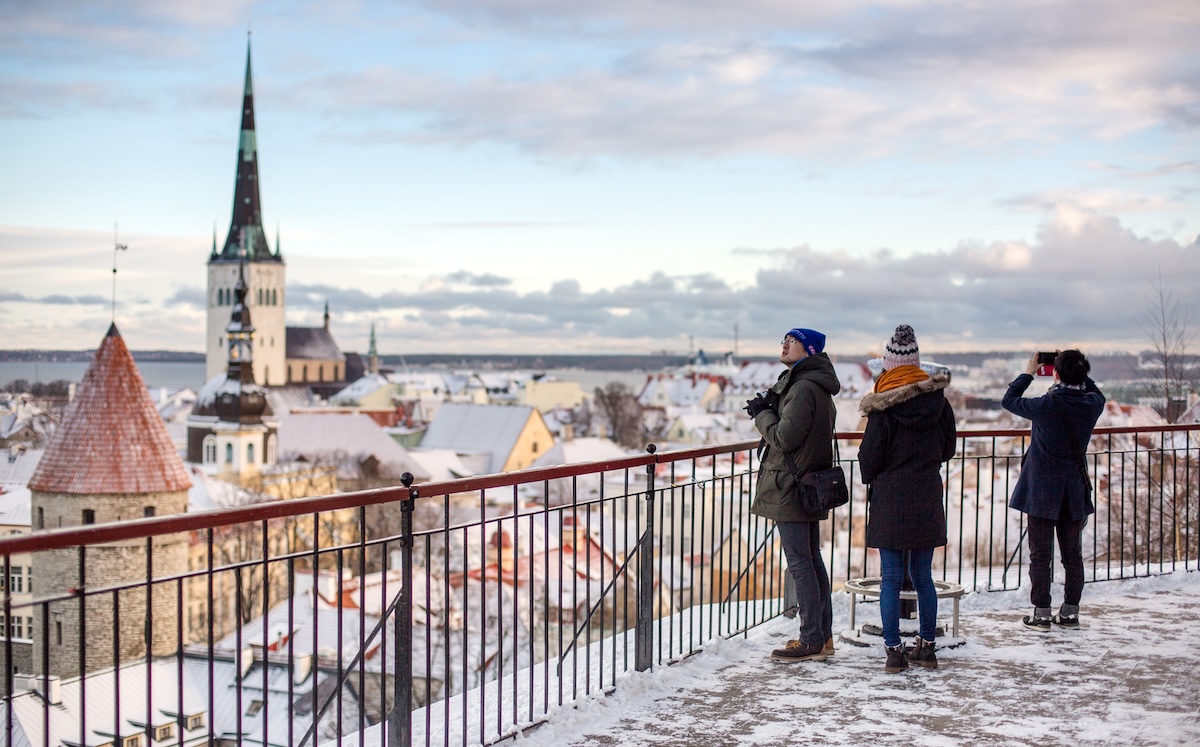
[
  {"x": 353, "y": 393},
  {"x": 18, "y": 465},
  {"x": 676, "y": 390},
  {"x": 332, "y": 436},
  {"x": 14, "y": 506},
  {"x": 480, "y": 428},
  {"x": 440, "y": 464},
  {"x": 579, "y": 450}
]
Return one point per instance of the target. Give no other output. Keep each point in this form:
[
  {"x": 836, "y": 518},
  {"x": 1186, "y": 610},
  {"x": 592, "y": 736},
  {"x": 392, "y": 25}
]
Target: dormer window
[
  {"x": 164, "y": 732},
  {"x": 195, "y": 721}
]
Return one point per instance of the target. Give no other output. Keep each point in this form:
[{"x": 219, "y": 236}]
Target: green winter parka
[{"x": 800, "y": 424}]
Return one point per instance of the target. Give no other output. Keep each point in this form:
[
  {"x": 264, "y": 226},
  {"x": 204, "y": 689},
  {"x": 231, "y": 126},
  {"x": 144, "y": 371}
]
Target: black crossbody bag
[{"x": 822, "y": 489}]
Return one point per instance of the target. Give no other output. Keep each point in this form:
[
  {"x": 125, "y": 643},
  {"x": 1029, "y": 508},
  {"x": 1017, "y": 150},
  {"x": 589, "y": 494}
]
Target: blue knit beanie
[{"x": 812, "y": 340}]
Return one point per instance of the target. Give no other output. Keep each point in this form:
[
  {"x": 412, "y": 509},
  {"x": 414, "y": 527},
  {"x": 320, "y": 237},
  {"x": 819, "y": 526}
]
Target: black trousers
[{"x": 1041, "y": 554}]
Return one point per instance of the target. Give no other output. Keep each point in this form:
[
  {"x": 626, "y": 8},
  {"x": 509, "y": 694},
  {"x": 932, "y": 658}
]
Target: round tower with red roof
[{"x": 111, "y": 460}]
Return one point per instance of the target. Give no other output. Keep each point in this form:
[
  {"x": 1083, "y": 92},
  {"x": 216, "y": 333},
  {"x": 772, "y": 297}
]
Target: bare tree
[
  {"x": 620, "y": 409},
  {"x": 1167, "y": 325}
]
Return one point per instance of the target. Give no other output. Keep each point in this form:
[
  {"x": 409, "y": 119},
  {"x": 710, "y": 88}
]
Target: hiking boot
[
  {"x": 895, "y": 659},
  {"x": 797, "y": 651},
  {"x": 922, "y": 654},
  {"x": 1040, "y": 624},
  {"x": 1071, "y": 622},
  {"x": 828, "y": 649}
]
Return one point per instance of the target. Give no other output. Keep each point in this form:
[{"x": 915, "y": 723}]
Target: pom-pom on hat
[
  {"x": 901, "y": 350},
  {"x": 812, "y": 340}
]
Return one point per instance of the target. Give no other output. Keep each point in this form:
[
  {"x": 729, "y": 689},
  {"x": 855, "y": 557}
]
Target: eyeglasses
[{"x": 789, "y": 340}]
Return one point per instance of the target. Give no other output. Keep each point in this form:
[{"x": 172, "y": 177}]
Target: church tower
[
  {"x": 110, "y": 460},
  {"x": 264, "y": 273},
  {"x": 231, "y": 431}
]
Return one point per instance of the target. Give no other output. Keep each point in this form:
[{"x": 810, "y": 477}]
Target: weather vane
[{"x": 117, "y": 247}]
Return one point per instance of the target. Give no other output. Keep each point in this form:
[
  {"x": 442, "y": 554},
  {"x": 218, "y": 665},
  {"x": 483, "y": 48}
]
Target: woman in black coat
[{"x": 910, "y": 432}]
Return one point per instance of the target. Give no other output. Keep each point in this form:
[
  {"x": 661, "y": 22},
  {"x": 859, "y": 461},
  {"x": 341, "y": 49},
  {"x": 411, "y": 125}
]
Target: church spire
[{"x": 245, "y": 227}]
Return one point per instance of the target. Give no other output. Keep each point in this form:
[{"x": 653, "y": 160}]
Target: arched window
[
  {"x": 274, "y": 297},
  {"x": 249, "y": 453},
  {"x": 210, "y": 450},
  {"x": 41, "y": 518},
  {"x": 271, "y": 456},
  {"x": 229, "y": 453}
]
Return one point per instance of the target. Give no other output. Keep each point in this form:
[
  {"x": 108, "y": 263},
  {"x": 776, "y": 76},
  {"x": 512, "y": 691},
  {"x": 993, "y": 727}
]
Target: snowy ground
[{"x": 1128, "y": 677}]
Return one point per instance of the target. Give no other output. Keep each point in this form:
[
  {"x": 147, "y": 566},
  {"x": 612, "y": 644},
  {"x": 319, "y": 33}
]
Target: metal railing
[{"x": 481, "y": 605}]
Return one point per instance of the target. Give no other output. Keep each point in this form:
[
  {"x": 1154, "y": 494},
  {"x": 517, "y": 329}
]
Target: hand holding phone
[{"x": 1045, "y": 363}]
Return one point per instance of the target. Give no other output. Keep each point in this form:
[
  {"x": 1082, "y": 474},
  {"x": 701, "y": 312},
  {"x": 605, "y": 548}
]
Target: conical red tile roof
[{"x": 112, "y": 439}]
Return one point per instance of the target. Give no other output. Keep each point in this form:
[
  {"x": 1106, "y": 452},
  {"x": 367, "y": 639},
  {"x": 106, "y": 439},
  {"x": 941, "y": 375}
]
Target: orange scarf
[{"x": 899, "y": 376}]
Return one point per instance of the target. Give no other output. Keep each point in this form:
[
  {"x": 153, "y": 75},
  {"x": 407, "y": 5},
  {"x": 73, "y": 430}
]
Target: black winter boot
[
  {"x": 895, "y": 659},
  {"x": 922, "y": 654}
]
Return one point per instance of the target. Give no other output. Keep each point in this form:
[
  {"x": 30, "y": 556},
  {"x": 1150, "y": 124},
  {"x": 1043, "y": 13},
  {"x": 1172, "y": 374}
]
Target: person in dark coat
[
  {"x": 1053, "y": 490},
  {"x": 795, "y": 418},
  {"x": 910, "y": 432}
]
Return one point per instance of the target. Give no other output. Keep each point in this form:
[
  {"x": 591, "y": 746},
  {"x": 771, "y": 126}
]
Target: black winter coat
[
  {"x": 910, "y": 432},
  {"x": 1053, "y": 470}
]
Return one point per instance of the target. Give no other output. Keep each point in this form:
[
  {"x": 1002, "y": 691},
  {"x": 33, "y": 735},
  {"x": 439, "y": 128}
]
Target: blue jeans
[
  {"x": 802, "y": 547},
  {"x": 920, "y": 569}
]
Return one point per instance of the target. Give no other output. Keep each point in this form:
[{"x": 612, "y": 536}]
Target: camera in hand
[{"x": 1046, "y": 364}]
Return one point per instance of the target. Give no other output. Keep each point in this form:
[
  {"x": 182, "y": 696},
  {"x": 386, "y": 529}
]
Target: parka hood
[
  {"x": 815, "y": 368},
  {"x": 907, "y": 402}
]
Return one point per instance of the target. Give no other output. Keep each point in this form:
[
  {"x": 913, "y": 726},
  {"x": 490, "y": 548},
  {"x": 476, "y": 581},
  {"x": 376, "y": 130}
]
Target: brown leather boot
[{"x": 922, "y": 654}]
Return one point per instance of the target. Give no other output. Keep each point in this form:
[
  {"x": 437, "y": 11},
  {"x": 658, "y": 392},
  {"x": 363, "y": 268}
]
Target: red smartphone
[{"x": 1046, "y": 364}]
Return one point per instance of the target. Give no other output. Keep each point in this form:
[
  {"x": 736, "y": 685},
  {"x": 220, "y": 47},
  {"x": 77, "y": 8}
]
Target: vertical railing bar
[
  {"x": 483, "y": 587},
  {"x": 179, "y": 612},
  {"x": 574, "y": 566},
  {"x": 427, "y": 568},
  {"x": 362, "y": 623},
  {"x": 265, "y": 544},
  {"x": 8, "y": 669},
  {"x": 339, "y": 649},
  {"x": 291, "y": 633},
  {"x": 447, "y": 686},
  {"x": 385, "y": 725},
  {"x": 116, "y": 617},
  {"x": 211, "y": 660},
  {"x": 316, "y": 649},
  {"x": 603, "y": 555},
  {"x": 466, "y": 626},
  {"x": 545, "y": 601},
  {"x": 239, "y": 615},
  {"x": 587, "y": 565},
  {"x": 148, "y": 635},
  {"x": 82, "y": 592},
  {"x": 516, "y": 605}
]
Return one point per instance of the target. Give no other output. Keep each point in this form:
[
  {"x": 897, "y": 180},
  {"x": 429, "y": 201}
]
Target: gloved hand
[{"x": 757, "y": 405}]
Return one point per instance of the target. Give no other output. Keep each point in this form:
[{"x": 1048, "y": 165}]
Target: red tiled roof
[{"x": 112, "y": 439}]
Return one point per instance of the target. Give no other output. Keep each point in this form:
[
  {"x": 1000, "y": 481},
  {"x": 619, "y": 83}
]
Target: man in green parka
[{"x": 795, "y": 418}]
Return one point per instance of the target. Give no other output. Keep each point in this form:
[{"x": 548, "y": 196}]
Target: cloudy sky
[{"x": 608, "y": 176}]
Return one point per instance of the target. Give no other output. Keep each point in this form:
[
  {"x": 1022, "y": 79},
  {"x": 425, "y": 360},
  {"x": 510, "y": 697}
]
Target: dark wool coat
[
  {"x": 1052, "y": 471},
  {"x": 910, "y": 432},
  {"x": 802, "y": 425}
]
